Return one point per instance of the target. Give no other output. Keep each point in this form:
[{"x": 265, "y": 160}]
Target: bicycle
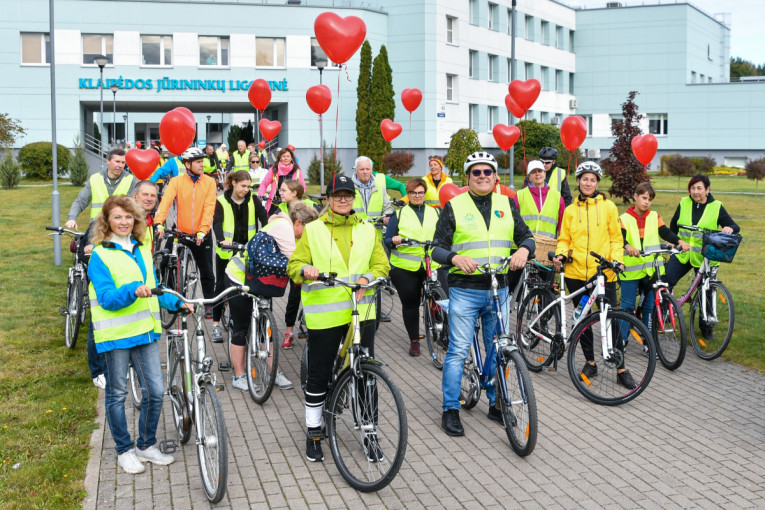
[
  {"x": 542, "y": 329},
  {"x": 134, "y": 385},
  {"x": 364, "y": 414},
  {"x": 711, "y": 300},
  {"x": 514, "y": 389},
  {"x": 192, "y": 391},
  {"x": 77, "y": 301},
  {"x": 176, "y": 269}
]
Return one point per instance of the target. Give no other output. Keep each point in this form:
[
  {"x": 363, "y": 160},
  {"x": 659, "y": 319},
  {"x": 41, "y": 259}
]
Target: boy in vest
[{"x": 642, "y": 230}]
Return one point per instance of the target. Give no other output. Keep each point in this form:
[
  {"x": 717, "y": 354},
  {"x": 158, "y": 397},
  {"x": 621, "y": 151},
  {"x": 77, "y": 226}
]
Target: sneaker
[
  {"x": 626, "y": 380},
  {"x": 373, "y": 450},
  {"x": 153, "y": 455},
  {"x": 288, "y": 339},
  {"x": 100, "y": 382},
  {"x": 414, "y": 348},
  {"x": 589, "y": 371},
  {"x": 240, "y": 383},
  {"x": 496, "y": 415},
  {"x": 313, "y": 449},
  {"x": 217, "y": 335},
  {"x": 384, "y": 317},
  {"x": 281, "y": 381},
  {"x": 208, "y": 311},
  {"x": 130, "y": 463},
  {"x": 450, "y": 422}
]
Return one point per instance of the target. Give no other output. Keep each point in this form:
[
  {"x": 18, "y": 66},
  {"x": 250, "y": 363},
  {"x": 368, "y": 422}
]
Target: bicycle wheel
[
  {"x": 470, "y": 387},
  {"x": 168, "y": 276},
  {"x": 72, "y": 312},
  {"x": 302, "y": 329},
  {"x": 436, "y": 321},
  {"x": 190, "y": 274},
  {"x": 262, "y": 350},
  {"x": 178, "y": 399},
  {"x": 710, "y": 342},
  {"x": 603, "y": 387},
  {"x": 367, "y": 428},
  {"x": 225, "y": 318},
  {"x": 669, "y": 332},
  {"x": 304, "y": 367},
  {"x": 534, "y": 349},
  {"x": 135, "y": 387},
  {"x": 519, "y": 408},
  {"x": 212, "y": 447}
]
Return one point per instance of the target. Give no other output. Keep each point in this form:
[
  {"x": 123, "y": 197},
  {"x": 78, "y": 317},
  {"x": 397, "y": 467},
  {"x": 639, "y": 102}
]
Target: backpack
[{"x": 266, "y": 266}]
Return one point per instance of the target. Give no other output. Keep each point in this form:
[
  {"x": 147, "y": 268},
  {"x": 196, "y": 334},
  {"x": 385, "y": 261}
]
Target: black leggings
[
  {"x": 574, "y": 285},
  {"x": 293, "y": 304},
  {"x": 409, "y": 287}
]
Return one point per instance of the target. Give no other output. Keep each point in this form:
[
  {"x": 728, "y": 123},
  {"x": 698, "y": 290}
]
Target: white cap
[{"x": 535, "y": 165}]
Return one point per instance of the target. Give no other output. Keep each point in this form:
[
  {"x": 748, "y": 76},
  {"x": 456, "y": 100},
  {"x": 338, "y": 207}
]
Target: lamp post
[
  {"x": 114, "y": 88},
  {"x": 511, "y": 156},
  {"x": 207, "y": 129},
  {"x": 124, "y": 117},
  {"x": 321, "y": 63},
  {"x": 101, "y": 62}
]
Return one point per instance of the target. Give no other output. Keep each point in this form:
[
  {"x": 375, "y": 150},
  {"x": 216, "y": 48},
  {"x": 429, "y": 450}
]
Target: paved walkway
[{"x": 694, "y": 438}]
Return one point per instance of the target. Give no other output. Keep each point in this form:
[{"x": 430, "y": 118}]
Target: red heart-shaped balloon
[
  {"x": 176, "y": 131},
  {"x": 525, "y": 92},
  {"x": 644, "y": 147},
  {"x": 269, "y": 128},
  {"x": 186, "y": 112},
  {"x": 411, "y": 99},
  {"x": 506, "y": 136},
  {"x": 513, "y": 107},
  {"x": 291, "y": 147},
  {"x": 142, "y": 162},
  {"x": 339, "y": 37},
  {"x": 138, "y": 145},
  {"x": 318, "y": 97},
  {"x": 259, "y": 94},
  {"x": 389, "y": 129},
  {"x": 447, "y": 192},
  {"x": 573, "y": 131},
  {"x": 262, "y": 144}
]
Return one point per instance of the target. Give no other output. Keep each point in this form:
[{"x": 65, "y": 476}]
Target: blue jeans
[
  {"x": 465, "y": 307},
  {"x": 629, "y": 298},
  {"x": 146, "y": 363},
  {"x": 95, "y": 360}
]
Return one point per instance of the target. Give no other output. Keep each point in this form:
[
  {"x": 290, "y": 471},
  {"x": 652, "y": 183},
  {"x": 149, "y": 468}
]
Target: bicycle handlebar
[
  {"x": 158, "y": 291},
  {"x": 62, "y": 231},
  {"x": 694, "y": 228},
  {"x": 182, "y": 236},
  {"x": 607, "y": 264},
  {"x": 487, "y": 269},
  {"x": 330, "y": 280},
  {"x": 663, "y": 248},
  {"x": 235, "y": 247}
]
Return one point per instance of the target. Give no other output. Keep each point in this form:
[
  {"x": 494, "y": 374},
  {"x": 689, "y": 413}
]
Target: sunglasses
[
  {"x": 254, "y": 161},
  {"x": 487, "y": 172},
  {"x": 548, "y": 162}
]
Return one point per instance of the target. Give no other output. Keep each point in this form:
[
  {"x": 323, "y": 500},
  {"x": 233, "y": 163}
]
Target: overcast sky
[{"x": 747, "y": 21}]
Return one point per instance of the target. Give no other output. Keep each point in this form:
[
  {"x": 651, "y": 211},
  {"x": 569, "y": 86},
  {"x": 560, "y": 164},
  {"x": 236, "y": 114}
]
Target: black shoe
[
  {"x": 372, "y": 449},
  {"x": 626, "y": 380},
  {"x": 313, "y": 450},
  {"x": 589, "y": 371},
  {"x": 384, "y": 317},
  {"x": 450, "y": 422},
  {"x": 496, "y": 415}
]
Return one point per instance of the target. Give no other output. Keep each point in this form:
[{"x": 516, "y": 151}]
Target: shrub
[
  {"x": 78, "y": 165},
  {"x": 463, "y": 143},
  {"x": 398, "y": 162},
  {"x": 10, "y": 171},
  {"x": 331, "y": 166},
  {"x": 503, "y": 159},
  {"x": 678, "y": 165},
  {"x": 755, "y": 170},
  {"x": 703, "y": 165},
  {"x": 37, "y": 159}
]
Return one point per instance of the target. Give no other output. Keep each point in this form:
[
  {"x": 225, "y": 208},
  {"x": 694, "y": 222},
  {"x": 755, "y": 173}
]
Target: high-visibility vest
[
  {"x": 99, "y": 193},
  {"x": 431, "y": 191},
  {"x": 241, "y": 161},
  {"x": 222, "y": 157},
  {"x": 208, "y": 165},
  {"x": 228, "y": 223},
  {"x": 327, "y": 307},
  {"x": 409, "y": 226},
  {"x": 236, "y": 267},
  {"x": 708, "y": 220},
  {"x": 638, "y": 267},
  {"x": 544, "y": 222},
  {"x": 140, "y": 317},
  {"x": 556, "y": 179},
  {"x": 283, "y": 207},
  {"x": 376, "y": 200},
  {"x": 472, "y": 239}
]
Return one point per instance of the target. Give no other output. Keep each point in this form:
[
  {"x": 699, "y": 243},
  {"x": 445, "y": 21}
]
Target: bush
[
  {"x": 463, "y": 143},
  {"x": 78, "y": 165},
  {"x": 397, "y": 162},
  {"x": 10, "y": 171},
  {"x": 536, "y": 136},
  {"x": 37, "y": 159},
  {"x": 503, "y": 159},
  {"x": 703, "y": 165},
  {"x": 679, "y": 166},
  {"x": 331, "y": 166},
  {"x": 755, "y": 170}
]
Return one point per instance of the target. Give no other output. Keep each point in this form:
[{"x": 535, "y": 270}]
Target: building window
[
  {"x": 710, "y": 79},
  {"x": 509, "y": 70},
  {"x": 269, "y": 52},
  {"x": 493, "y": 68},
  {"x": 693, "y": 76},
  {"x": 493, "y": 17},
  {"x": 559, "y": 37},
  {"x": 709, "y": 52},
  {"x": 473, "y": 64},
  {"x": 616, "y": 120},
  {"x": 528, "y": 27},
  {"x": 571, "y": 41},
  {"x": 157, "y": 50},
  {"x": 559, "y": 81},
  {"x": 658, "y": 124},
  {"x": 316, "y": 51},
  {"x": 213, "y": 51},
  {"x": 451, "y": 86},
  {"x": 588, "y": 120},
  {"x": 473, "y": 11},
  {"x": 702, "y": 78},
  {"x": 545, "y": 32},
  {"x": 545, "y": 78},
  {"x": 571, "y": 83},
  {"x": 529, "y": 70},
  {"x": 451, "y": 27},
  {"x": 509, "y": 21},
  {"x": 493, "y": 117},
  {"x": 473, "y": 117},
  {"x": 94, "y": 45},
  {"x": 35, "y": 48},
  {"x": 544, "y": 117}
]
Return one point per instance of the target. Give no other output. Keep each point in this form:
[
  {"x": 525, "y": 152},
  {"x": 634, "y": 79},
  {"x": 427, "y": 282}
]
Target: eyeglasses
[
  {"x": 487, "y": 172},
  {"x": 416, "y": 193},
  {"x": 343, "y": 198},
  {"x": 548, "y": 162},
  {"x": 254, "y": 161}
]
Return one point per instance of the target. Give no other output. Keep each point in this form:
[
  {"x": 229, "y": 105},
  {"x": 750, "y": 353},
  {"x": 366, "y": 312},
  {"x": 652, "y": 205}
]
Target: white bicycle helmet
[
  {"x": 589, "y": 167},
  {"x": 480, "y": 157},
  {"x": 192, "y": 153}
]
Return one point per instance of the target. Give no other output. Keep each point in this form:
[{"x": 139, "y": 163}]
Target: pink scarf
[{"x": 284, "y": 169}]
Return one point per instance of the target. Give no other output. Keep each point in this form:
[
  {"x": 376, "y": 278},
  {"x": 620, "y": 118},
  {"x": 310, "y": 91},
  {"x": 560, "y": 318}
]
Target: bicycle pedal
[
  {"x": 224, "y": 366},
  {"x": 551, "y": 369},
  {"x": 168, "y": 446},
  {"x": 220, "y": 387},
  {"x": 163, "y": 365}
]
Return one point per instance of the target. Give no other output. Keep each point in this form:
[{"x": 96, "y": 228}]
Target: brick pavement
[{"x": 694, "y": 439}]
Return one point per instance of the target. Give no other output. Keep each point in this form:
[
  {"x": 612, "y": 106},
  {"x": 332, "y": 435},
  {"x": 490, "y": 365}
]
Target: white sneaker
[
  {"x": 100, "y": 382},
  {"x": 129, "y": 462},
  {"x": 153, "y": 455},
  {"x": 281, "y": 381},
  {"x": 240, "y": 383}
]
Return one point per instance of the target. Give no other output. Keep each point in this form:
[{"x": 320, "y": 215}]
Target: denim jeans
[
  {"x": 630, "y": 289},
  {"x": 465, "y": 307},
  {"x": 95, "y": 361},
  {"x": 146, "y": 363}
]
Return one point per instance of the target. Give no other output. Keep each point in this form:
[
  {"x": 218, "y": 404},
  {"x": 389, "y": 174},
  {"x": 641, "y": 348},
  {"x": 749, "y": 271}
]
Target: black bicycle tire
[
  {"x": 213, "y": 491},
  {"x": 427, "y": 319},
  {"x": 225, "y": 317},
  {"x": 534, "y": 351},
  {"x": 514, "y": 363},
  {"x": 168, "y": 277},
  {"x": 189, "y": 290},
  {"x": 304, "y": 367},
  {"x": 731, "y": 323},
  {"x": 574, "y": 371},
  {"x": 670, "y": 302},
  {"x": 72, "y": 317},
  {"x": 135, "y": 387},
  {"x": 266, "y": 316},
  {"x": 181, "y": 418},
  {"x": 400, "y": 448},
  {"x": 470, "y": 371}
]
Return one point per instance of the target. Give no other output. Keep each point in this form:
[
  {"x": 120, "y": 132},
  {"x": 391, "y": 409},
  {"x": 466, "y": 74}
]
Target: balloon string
[
  {"x": 337, "y": 113},
  {"x": 523, "y": 143},
  {"x": 568, "y": 166},
  {"x": 409, "y": 157}
]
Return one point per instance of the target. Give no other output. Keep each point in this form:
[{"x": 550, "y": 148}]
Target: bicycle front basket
[{"x": 719, "y": 246}]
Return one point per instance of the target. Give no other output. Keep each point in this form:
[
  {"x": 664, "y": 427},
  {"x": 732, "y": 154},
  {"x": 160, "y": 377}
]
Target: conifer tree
[
  {"x": 362, "y": 93},
  {"x": 382, "y": 106}
]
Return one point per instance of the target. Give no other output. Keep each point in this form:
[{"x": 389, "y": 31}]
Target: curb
[{"x": 93, "y": 470}]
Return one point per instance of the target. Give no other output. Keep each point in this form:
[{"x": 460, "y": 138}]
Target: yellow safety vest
[
  {"x": 228, "y": 224},
  {"x": 410, "y": 257},
  {"x": 431, "y": 191},
  {"x": 140, "y": 317},
  {"x": 376, "y": 200},
  {"x": 283, "y": 207},
  {"x": 638, "y": 267},
  {"x": 241, "y": 161},
  {"x": 99, "y": 193},
  {"x": 221, "y": 159},
  {"x": 556, "y": 179},
  {"x": 327, "y": 307},
  {"x": 544, "y": 222},
  {"x": 236, "y": 267},
  {"x": 472, "y": 239},
  {"x": 708, "y": 220},
  {"x": 209, "y": 167}
]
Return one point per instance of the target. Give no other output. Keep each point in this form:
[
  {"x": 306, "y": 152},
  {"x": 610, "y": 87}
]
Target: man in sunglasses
[
  {"x": 475, "y": 228},
  {"x": 556, "y": 176}
]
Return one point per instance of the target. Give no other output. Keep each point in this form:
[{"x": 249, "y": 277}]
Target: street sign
[
  {"x": 441, "y": 114},
  {"x": 201, "y": 143}
]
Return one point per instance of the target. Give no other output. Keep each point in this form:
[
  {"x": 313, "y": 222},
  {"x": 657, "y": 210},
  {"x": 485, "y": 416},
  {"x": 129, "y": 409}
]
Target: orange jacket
[{"x": 196, "y": 203}]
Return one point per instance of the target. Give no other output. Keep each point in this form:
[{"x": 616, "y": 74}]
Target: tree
[
  {"x": 398, "y": 162},
  {"x": 37, "y": 159},
  {"x": 9, "y": 130},
  {"x": 10, "y": 171},
  {"x": 332, "y": 166},
  {"x": 755, "y": 170},
  {"x": 621, "y": 165},
  {"x": 740, "y": 67},
  {"x": 363, "y": 100},
  {"x": 382, "y": 106},
  {"x": 248, "y": 134},
  {"x": 463, "y": 143},
  {"x": 234, "y": 135},
  {"x": 535, "y": 137},
  {"x": 678, "y": 165},
  {"x": 78, "y": 164}
]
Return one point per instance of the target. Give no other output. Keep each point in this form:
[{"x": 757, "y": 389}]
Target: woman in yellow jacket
[{"x": 591, "y": 223}]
